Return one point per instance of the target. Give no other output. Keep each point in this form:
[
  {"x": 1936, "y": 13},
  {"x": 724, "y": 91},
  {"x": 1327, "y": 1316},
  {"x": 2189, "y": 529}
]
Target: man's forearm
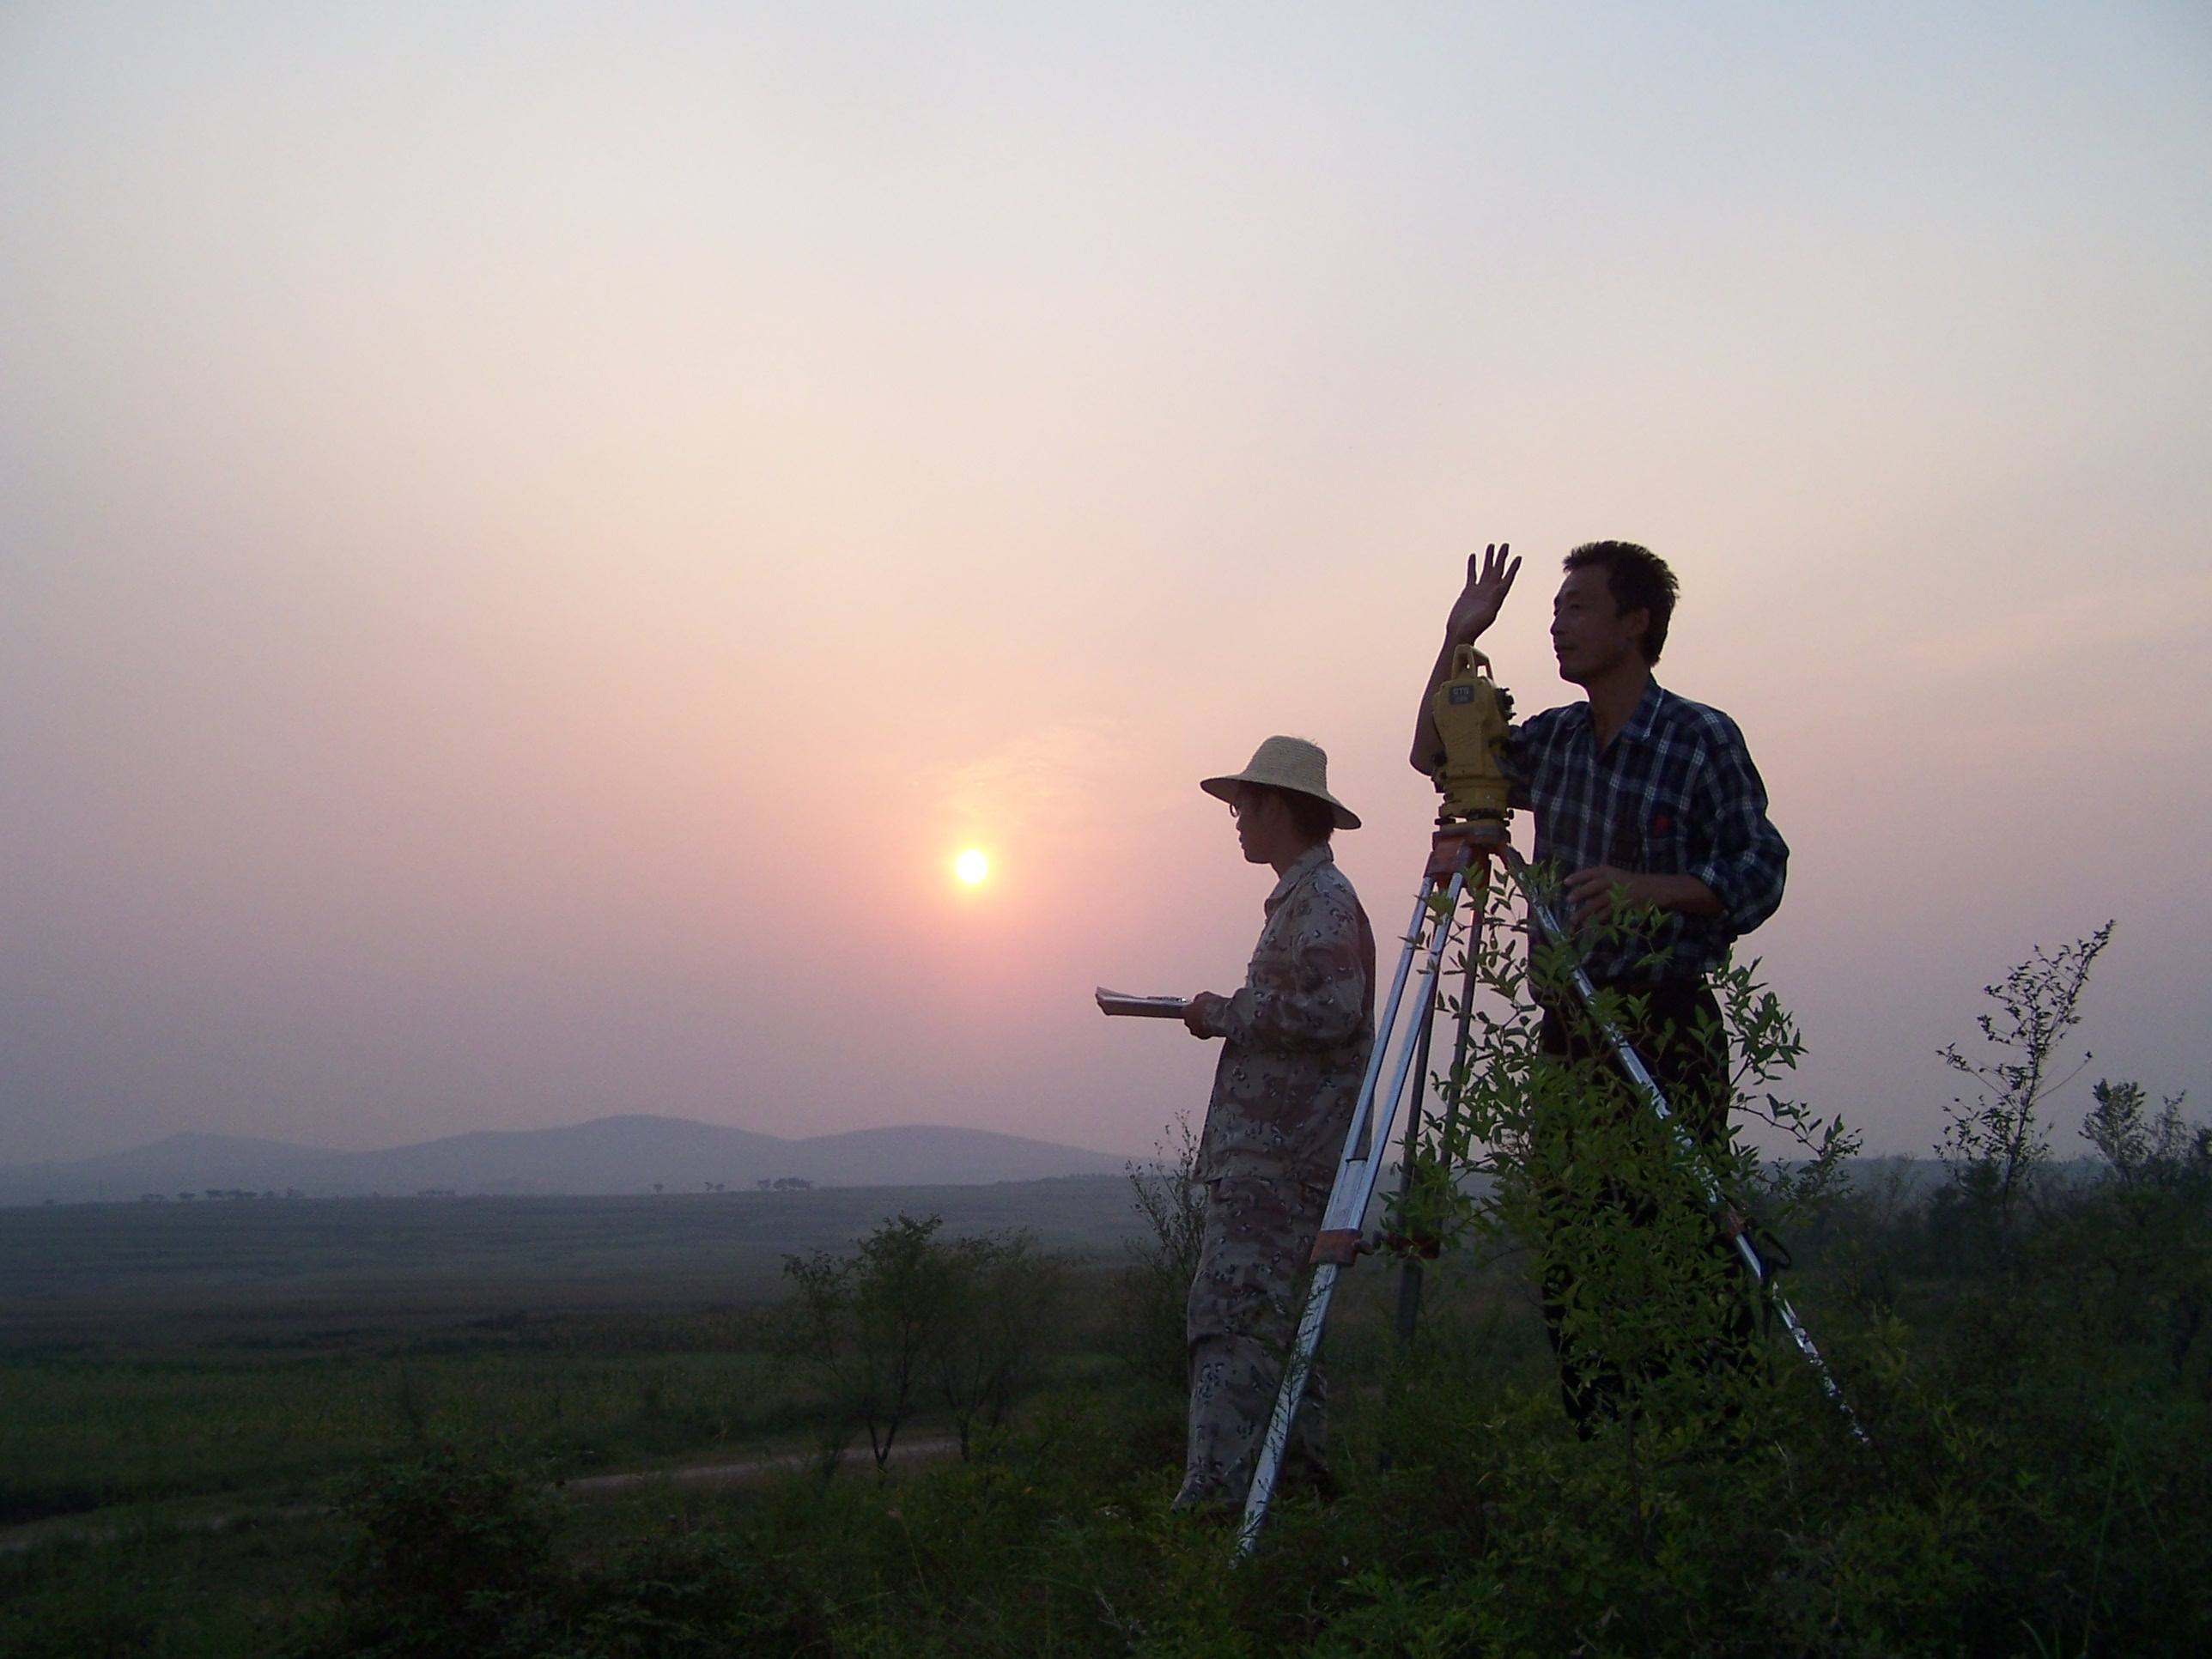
[
  {"x": 1605, "y": 890},
  {"x": 1684, "y": 895}
]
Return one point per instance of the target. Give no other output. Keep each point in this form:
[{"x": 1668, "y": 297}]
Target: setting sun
[{"x": 971, "y": 866}]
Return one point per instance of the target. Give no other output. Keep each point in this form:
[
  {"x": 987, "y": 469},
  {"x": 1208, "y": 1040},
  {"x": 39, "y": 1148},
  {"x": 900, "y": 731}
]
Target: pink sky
[{"x": 530, "y": 538}]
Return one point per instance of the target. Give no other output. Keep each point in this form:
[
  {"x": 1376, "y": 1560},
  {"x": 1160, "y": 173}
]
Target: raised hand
[{"x": 1489, "y": 580}]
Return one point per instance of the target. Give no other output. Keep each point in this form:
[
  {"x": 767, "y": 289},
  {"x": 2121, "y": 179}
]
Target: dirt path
[
  {"x": 34, "y": 1535},
  {"x": 925, "y": 1448}
]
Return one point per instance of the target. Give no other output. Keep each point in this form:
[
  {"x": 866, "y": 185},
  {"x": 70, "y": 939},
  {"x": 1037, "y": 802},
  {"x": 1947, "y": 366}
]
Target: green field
[
  {"x": 189, "y": 1386},
  {"x": 347, "y": 1428},
  {"x": 170, "y": 1351},
  {"x": 293, "y": 1256}
]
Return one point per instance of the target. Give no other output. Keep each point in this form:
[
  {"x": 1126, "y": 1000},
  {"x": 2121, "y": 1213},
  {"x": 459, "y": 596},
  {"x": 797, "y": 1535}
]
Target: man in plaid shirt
[{"x": 1650, "y": 816}]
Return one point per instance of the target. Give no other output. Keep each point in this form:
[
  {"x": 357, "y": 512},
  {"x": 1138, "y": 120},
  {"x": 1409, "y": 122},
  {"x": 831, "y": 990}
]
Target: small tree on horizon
[
  {"x": 870, "y": 1320},
  {"x": 1995, "y": 1143}
]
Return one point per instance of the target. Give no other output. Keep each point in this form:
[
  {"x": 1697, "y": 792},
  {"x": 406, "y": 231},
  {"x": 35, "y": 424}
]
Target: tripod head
[{"x": 1471, "y": 711}]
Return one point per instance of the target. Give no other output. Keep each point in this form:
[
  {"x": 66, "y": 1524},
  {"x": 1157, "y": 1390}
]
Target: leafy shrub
[
  {"x": 689, "y": 1593},
  {"x": 910, "y": 1320},
  {"x": 1996, "y": 1145},
  {"x": 453, "y": 1554},
  {"x": 1154, "y": 1286}
]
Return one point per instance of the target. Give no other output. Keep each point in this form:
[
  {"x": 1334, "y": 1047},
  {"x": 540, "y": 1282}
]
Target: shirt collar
[
  {"x": 1645, "y": 720},
  {"x": 1302, "y": 866},
  {"x": 1642, "y": 721}
]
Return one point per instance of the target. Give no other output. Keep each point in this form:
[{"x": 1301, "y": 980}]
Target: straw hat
[{"x": 1286, "y": 763}]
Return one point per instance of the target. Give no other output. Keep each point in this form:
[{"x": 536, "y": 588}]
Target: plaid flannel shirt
[{"x": 1674, "y": 793}]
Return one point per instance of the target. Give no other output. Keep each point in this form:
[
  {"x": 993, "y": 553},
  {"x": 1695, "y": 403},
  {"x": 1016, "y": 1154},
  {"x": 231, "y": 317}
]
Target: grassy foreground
[
  {"x": 364, "y": 1442},
  {"x": 350, "y": 1464},
  {"x": 2028, "y": 1493}
]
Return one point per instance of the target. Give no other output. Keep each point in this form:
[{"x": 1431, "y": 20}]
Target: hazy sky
[{"x": 530, "y": 535}]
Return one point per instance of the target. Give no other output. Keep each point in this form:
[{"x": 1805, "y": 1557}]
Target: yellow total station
[{"x": 1471, "y": 710}]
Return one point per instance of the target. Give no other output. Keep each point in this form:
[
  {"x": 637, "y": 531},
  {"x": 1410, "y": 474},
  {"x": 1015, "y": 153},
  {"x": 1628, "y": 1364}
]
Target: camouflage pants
[{"x": 1239, "y": 1324}]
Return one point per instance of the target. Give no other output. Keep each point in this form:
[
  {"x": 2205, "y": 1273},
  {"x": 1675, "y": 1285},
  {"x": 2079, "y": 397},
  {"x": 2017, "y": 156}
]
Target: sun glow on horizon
[{"x": 971, "y": 866}]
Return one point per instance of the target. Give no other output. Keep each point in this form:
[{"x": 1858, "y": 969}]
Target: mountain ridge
[{"x": 621, "y": 1153}]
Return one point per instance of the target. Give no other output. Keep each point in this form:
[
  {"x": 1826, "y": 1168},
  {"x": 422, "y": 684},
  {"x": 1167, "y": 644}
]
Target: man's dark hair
[
  {"x": 1639, "y": 580},
  {"x": 1310, "y": 816}
]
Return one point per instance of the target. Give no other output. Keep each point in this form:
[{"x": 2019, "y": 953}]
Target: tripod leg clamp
[{"x": 1337, "y": 1247}]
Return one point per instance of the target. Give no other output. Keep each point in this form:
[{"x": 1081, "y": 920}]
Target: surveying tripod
[{"x": 1472, "y": 831}]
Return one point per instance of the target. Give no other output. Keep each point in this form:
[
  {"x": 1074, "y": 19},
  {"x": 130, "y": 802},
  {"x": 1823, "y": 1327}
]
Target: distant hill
[{"x": 626, "y": 1154}]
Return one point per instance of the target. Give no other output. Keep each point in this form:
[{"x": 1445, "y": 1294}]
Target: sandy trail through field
[
  {"x": 737, "y": 1474},
  {"x": 33, "y": 1535}
]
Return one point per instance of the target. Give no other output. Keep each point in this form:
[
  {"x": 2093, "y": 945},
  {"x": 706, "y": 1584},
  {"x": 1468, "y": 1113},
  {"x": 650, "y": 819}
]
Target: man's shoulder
[
  {"x": 1324, "y": 887},
  {"x": 1680, "y": 715},
  {"x": 1550, "y": 723},
  {"x": 1334, "y": 884},
  {"x": 1327, "y": 880}
]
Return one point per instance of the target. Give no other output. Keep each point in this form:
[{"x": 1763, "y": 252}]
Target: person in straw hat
[{"x": 1295, "y": 1042}]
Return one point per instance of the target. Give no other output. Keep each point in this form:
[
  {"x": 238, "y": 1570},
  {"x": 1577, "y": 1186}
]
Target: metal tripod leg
[
  {"x": 1480, "y": 921},
  {"x": 1409, "y": 1275},
  {"x": 1361, "y": 1166},
  {"x": 1548, "y": 921}
]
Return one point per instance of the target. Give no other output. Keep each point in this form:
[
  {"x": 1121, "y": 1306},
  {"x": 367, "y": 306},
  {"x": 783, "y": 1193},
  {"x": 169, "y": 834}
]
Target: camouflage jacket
[{"x": 1297, "y": 1034}]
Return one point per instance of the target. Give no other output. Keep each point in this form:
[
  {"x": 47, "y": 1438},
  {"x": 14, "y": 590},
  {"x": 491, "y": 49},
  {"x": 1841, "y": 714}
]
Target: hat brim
[{"x": 1221, "y": 789}]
